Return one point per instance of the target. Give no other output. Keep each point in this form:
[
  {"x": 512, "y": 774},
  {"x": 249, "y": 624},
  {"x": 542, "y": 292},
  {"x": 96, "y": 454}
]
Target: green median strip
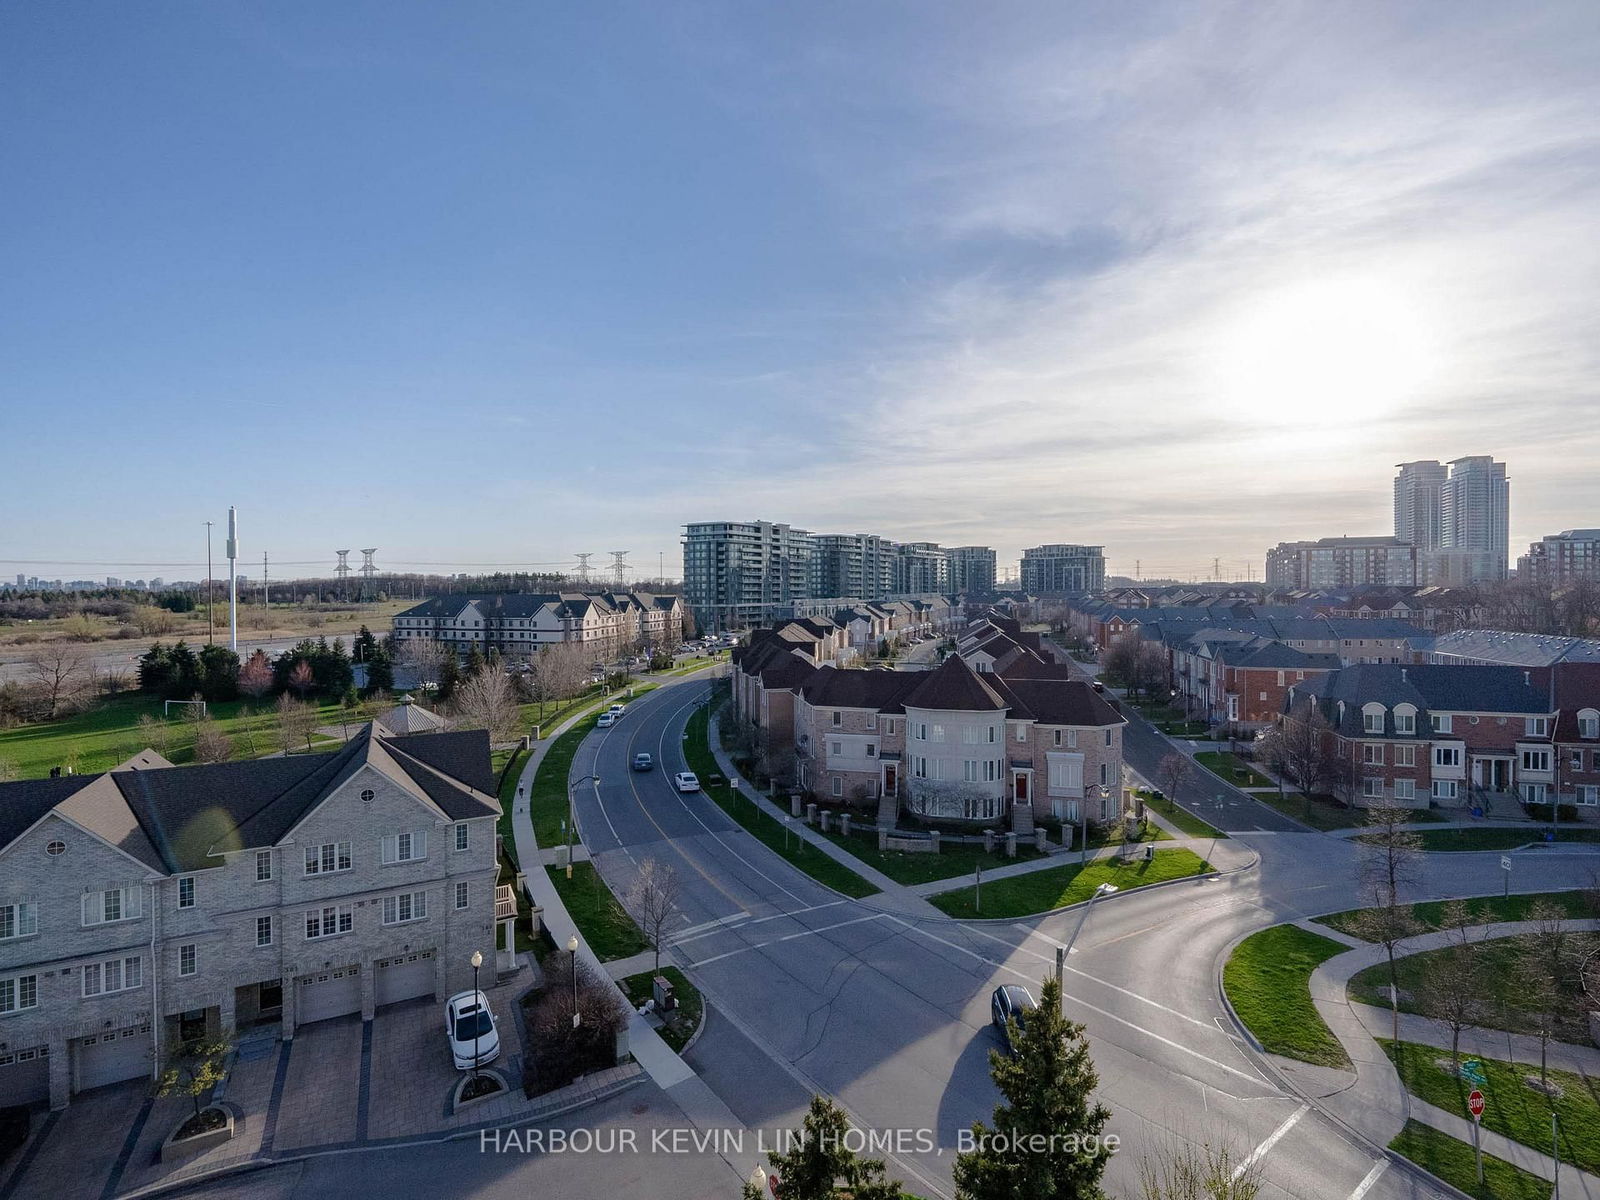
[
  {"x": 601, "y": 921},
  {"x": 1574, "y": 904},
  {"x": 1268, "y": 982},
  {"x": 781, "y": 840},
  {"x": 1452, "y": 1161},
  {"x": 1186, "y": 822},
  {"x": 1481, "y": 838},
  {"x": 1054, "y": 887}
]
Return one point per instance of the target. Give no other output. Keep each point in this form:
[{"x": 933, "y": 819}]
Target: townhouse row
[
  {"x": 154, "y": 903},
  {"x": 518, "y": 624}
]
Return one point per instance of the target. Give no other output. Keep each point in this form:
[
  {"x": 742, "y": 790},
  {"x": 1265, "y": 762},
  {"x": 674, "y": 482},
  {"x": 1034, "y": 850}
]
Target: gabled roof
[
  {"x": 830, "y": 687},
  {"x": 954, "y": 686},
  {"x": 408, "y": 717}
]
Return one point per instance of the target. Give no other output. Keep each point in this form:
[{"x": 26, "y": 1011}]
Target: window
[
  {"x": 263, "y": 865},
  {"x": 1372, "y": 718},
  {"x": 461, "y": 895},
  {"x": 368, "y": 795},
  {"x": 1441, "y": 722},
  {"x": 1533, "y": 793},
  {"x": 1372, "y": 752},
  {"x": 919, "y": 767},
  {"x": 991, "y": 770},
  {"x": 1536, "y": 727},
  {"x": 938, "y": 733},
  {"x": 461, "y": 835},
  {"x": 405, "y": 847},
  {"x": 263, "y": 931},
  {"x": 113, "y": 975},
  {"x": 1280, "y": 684},
  {"x": 407, "y": 906},
  {"x": 186, "y": 892},
  {"x": 1576, "y": 761},
  {"x": 325, "y": 922},
  {"x": 1405, "y": 756},
  {"x": 187, "y": 959},
  {"x": 55, "y": 848},
  {"x": 1589, "y": 793},
  {"x": 18, "y": 920},
  {"x": 115, "y": 904},
  {"x": 1057, "y": 733},
  {"x": 838, "y": 718},
  {"x": 327, "y": 858},
  {"x": 872, "y": 749},
  {"x": 1447, "y": 756},
  {"x": 1105, "y": 774},
  {"x": 1596, "y": 764},
  {"x": 921, "y": 729},
  {"x": 1075, "y": 737},
  {"x": 1022, "y": 733},
  {"x": 838, "y": 785},
  {"x": 1536, "y": 760},
  {"x": 1405, "y": 789},
  {"x": 1444, "y": 789},
  {"x": 872, "y": 720},
  {"x": 19, "y": 992},
  {"x": 1589, "y": 723},
  {"x": 1372, "y": 788},
  {"x": 1405, "y": 719},
  {"x": 888, "y": 726},
  {"x": 969, "y": 770}
]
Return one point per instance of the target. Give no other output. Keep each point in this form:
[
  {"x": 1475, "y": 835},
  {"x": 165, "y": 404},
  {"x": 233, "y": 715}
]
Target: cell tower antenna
[
  {"x": 582, "y": 571},
  {"x": 342, "y": 570},
  {"x": 619, "y": 566},
  {"x": 266, "y": 591},
  {"x": 233, "y": 579}
]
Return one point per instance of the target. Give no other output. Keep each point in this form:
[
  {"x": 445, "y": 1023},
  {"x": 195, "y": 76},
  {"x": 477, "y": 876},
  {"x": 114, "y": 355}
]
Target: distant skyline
[{"x": 495, "y": 285}]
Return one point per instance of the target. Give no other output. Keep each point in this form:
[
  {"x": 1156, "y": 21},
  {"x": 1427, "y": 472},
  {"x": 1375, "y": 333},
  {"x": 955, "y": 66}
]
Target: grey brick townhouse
[{"x": 156, "y": 902}]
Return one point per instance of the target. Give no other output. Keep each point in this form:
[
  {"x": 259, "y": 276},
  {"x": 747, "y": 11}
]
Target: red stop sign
[{"x": 1475, "y": 1103}]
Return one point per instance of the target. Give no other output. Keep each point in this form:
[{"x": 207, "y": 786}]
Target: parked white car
[
  {"x": 616, "y": 710},
  {"x": 469, "y": 1026},
  {"x": 686, "y": 781},
  {"x": 606, "y": 721}
]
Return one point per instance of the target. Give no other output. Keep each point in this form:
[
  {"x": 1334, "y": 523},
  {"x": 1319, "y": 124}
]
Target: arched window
[
  {"x": 1405, "y": 718},
  {"x": 1589, "y": 723},
  {"x": 1372, "y": 718}
]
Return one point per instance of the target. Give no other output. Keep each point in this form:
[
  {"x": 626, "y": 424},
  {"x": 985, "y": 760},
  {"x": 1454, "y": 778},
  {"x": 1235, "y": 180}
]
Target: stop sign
[{"x": 1475, "y": 1103}]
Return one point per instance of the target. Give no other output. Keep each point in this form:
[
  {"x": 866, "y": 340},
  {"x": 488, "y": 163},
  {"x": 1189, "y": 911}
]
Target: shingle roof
[
  {"x": 954, "y": 686},
  {"x": 1453, "y": 689},
  {"x": 829, "y": 687}
]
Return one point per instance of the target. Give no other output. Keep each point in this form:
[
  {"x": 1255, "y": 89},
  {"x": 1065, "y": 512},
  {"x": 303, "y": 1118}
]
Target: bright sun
[{"x": 1321, "y": 352}]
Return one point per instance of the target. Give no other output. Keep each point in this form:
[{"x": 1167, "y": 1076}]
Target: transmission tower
[
  {"x": 619, "y": 567},
  {"x": 342, "y": 570},
  {"x": 369, "y": 571},
  {"x": 583, "y": 567}
]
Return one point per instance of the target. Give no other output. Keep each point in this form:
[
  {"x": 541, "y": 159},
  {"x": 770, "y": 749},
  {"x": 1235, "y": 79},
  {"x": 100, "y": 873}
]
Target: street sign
[
  {"x": 1472, "y": 1072},
  {"x": 1475, "y": 1103},
  {"x": 1505, "y": 862}
]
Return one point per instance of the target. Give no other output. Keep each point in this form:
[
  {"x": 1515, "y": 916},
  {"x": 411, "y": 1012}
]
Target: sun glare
[{"x": 1321, "y": 352}]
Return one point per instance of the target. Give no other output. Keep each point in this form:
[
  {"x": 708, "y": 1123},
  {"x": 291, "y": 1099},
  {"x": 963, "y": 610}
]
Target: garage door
[
  {"x": 327, "y": 994},
  {"x": 25, "y": 1076},
  {"x": 404, "y": 977},
  {"x": 112, "y": 1057}
]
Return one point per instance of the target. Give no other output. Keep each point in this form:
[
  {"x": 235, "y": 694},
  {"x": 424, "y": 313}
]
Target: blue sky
[{"x": 496, "y": 283}]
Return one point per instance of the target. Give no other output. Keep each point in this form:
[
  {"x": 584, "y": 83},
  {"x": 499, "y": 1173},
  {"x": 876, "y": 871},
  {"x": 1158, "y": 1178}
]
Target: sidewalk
[{"x": 1377, "y": 1103}]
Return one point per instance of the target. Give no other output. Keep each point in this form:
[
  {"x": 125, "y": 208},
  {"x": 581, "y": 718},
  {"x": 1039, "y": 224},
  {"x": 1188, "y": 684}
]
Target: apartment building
[
  {"x": 972, "y": 570},
  {"x": 517, "y": 624},
  {"x": 1562, "y": 558},
  {"x": 860, "y": 565},
  {"x": 920, "y": 567},
  {"x": 1418, "y": 487},
  {"x": 154, "y": 903},
  {"x": 1474, "y": 520},
  {"x": 1062, "y": 568},
  {"x": 1340, "y": 562}
]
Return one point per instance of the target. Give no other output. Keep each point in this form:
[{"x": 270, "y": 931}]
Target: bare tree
[
  {"x": 1175, "y": 770},
  {"x": 1387, "y": 924},
  {"x": 156, "y": 734},
  {"x": 1391, "y": 854},
  {"x": 211, "y": 745},
  {"x": 654, "y": 900},
  {"x": 1546, "y": 960},
  {"x": 60, "y": 670},
  {"x": 1307, "y": 747},
  {"x": 296, "y": 723},
  {"x": 246, "y": 732},
  {"x": 1179, "y": 1169},
  {"x": 8, "y": 770},
  {"x": 255, "y": 677},
  {"x": 424, "y": 659},
  {"x": 488, "y": 701},
  {"x": 1449, "y": 987}
]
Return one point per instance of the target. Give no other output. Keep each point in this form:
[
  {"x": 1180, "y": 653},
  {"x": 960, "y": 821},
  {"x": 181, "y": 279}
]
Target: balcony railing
[{"x": 505, "y": 902}]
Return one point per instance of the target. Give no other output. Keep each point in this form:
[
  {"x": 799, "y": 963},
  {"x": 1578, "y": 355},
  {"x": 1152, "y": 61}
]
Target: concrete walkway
[
  {"x": 1376, "y": 1103},
  {"x": 1212, "y": 850}
]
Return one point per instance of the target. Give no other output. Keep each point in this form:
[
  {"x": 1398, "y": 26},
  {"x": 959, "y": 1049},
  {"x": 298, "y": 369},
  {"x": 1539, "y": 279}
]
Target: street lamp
[
  {"x": 572, "y": 815},
  {"x": 1083, "y": 818},
  {"x": 758, "y": 1179},
  {"x": 477, "y": 1017},
  {"x": 572, "y": 949},
  {"x": 1105, "y": 889}
]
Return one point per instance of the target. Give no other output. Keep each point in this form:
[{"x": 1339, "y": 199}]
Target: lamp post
[
  {"x": 1105, "y": 889},
  {"x": 572, "y": 949},
  {"x": 477, "y": 1019},
  {"x": 572, "y": 816}
]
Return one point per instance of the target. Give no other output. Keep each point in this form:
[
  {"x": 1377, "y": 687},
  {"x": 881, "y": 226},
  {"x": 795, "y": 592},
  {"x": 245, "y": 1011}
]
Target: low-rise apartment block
[{"x": 519, "y": 624}]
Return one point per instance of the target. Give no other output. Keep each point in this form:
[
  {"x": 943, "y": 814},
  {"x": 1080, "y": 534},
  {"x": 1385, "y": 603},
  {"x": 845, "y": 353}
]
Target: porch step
[
  {"x": 888, "y": 810},
  {"x": 1022, "y": 819}
]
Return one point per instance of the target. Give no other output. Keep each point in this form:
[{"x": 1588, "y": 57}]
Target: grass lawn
[
  {"x": 500, "y": 760},
  {"x": 1493, "y": 908},
  {"x": 1231, "y": 767},
  {"x": 903, "y": 867},
  {"x": 1186, "y": 821},
  {"x": 1496, "y": 988},
  {"x": 786, "y": 844},
  {"x": 604, "y": 924},
  {"x": 677, "y": 1031},
  {"x": 1511, "y": 1107},
  {"x": 1452, "y": 1160},
  {"x": 1055, "y": 887},
  {"x": 103, "y": 736},
  {"x": 1268, "y": 981},
  {"x": 1481, "y": 838}
]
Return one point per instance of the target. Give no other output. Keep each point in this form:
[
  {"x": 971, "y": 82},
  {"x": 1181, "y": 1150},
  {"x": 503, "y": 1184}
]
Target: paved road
[{"x": 889, "y": 1013}]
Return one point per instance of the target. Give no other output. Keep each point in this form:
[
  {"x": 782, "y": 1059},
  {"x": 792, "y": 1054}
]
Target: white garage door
[
  {"x": 24, "y": 1076},
  {"x": 327, "y": 994},
  {"x": 404, "y": 977},
  {"x": 112, "y": 1057}
]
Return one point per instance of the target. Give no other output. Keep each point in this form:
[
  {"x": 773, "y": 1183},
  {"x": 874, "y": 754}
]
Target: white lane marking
[
  {"x": 703, "y": 962},
  {"x": 795, "y": 912},
  {"x": 1093, "y": 979},
  {"x": 711, "y": 926},
  {"x": 1362, "y": 1188},
  {"x": 777, "y": 916},
  {"x": 1272, "y": 1140},
  {"x": 1081, "y": 1003},
  {"x": 1030, "y": 931}
]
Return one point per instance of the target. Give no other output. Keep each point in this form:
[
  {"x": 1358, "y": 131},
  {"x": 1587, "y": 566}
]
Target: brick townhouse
[
  {"x": 517, "y": 624},
  {"x": 1436, "y": 735},
  {"x": 154, "y": 903}
]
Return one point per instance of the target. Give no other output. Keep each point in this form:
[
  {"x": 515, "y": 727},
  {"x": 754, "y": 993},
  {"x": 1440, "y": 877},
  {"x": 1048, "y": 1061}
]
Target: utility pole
[
  {"x": 266, "y": 592},
  {"x": 209, "y": 626}
]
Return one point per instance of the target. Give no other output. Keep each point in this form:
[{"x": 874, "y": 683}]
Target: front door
[
  {"x": 1021, "y": 788},
  {"x": 891, "y": 779}
]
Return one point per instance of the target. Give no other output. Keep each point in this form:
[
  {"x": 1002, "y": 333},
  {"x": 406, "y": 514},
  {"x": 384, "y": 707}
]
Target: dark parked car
[
  {"x": 1010, "y": 1001},
  {"x": 643, "y": 762}
]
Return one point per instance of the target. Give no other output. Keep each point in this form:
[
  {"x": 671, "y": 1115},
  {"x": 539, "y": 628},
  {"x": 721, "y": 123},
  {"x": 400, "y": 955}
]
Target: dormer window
[
  {"x": 1589, "y": 723},
  {"x": 1372, "y": 718},
  {"x": 1405, "y": 719}
]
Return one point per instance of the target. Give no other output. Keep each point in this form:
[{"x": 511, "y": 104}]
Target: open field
[{"x": 279, "y": 621}]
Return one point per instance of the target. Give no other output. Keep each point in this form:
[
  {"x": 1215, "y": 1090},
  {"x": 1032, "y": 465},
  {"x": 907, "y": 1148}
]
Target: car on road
[
  {"x": 685, "y": 781},
  {"x": 469, "y": 1026},
  {"x": 1010, "y": 1001},
  {"x": 616, "y": 710},
  {"x": 643, "y": 762},
  {"x": 606, "y": 721}
]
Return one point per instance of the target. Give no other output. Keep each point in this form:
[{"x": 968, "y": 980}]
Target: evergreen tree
[
  {"x": 364, "y": 646},
  {"x": 475, "y": 662},
  {"x": 155, "y": 670},
  {"x": 184, "y": 679},
  {"x": 1045, "y": 1144},
  {"x": 219, "y": 673},
  {"x": 380, "y": 671},
  {"x": 822, "y": 1164},
  {"x": 449, "y": 676}
]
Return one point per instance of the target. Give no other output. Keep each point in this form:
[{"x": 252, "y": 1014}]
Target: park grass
[
  {"x": 1451, "y": 1160},
  {"x": 604, "y": 924},
  {"x": 1230, "y": 767},
  {"x": 1511, "y": 1107},
  {"x": 1482, "y": 838},
  {"x": 1268, "y": 981},
  {"x": 691, "y": 1007},
  {"x": 109, "y": 733},
  {"x": 778, "y": 838},
  {"x": 1575, "y": 904},
  {"x": 1185, "y": 821},
  {"x": 1055, "y": 887}
]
